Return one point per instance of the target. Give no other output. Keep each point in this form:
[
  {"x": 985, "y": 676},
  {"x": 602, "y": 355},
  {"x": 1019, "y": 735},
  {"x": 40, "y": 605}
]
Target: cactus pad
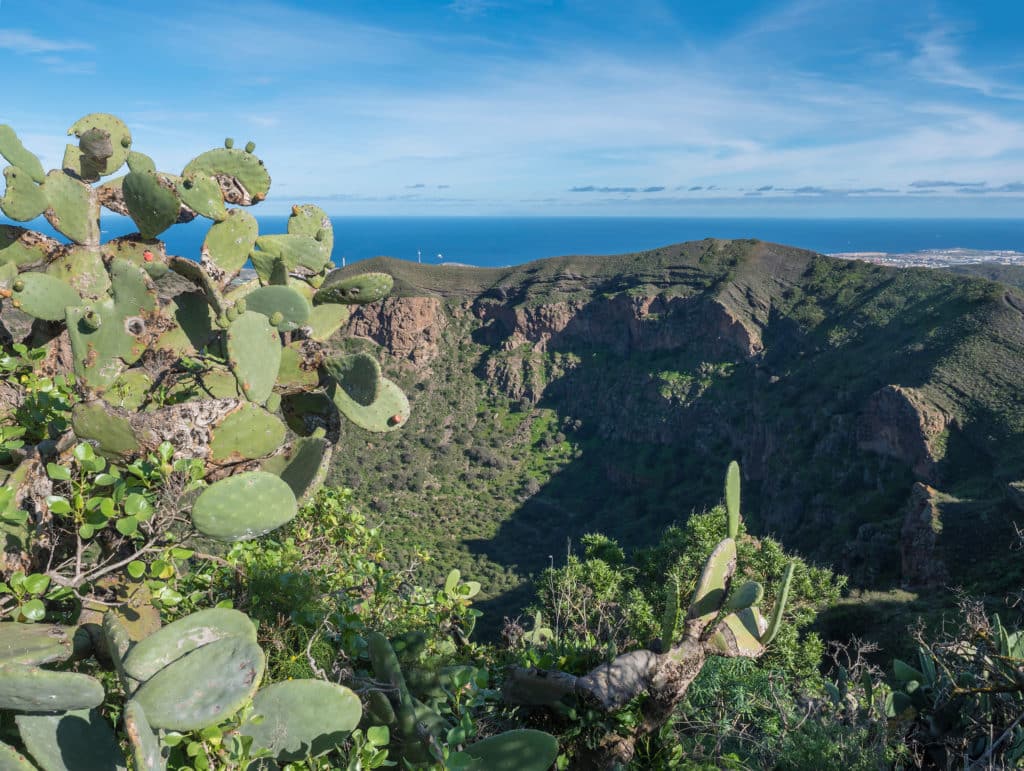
[
  {"x": 713, "y": 584},
  {"x": 15, "y": 153},
  {"x": 248, "y": 432},
  {"x": 738, "y": 634},
  {"x": 74, "y": 741},
  {"x": 12, "y": 760},
  {"x": 118, "y": 135},
  {"x": 295, "y": 251},
  {"x": 233, "y": 169},
  {"x": 358, "y": 375},
  {"x": 244, "y": 506},
  {"x": 386, "y": 667},
  {"x": 254, "y": 354},
  {"x": 94, "y": 420},
  {"x": 152, "y": 202},
  {"x": 203, "y": 687},
  {"x": 150, "y": 254},
  {"x": 19, "y": 246},
  {"x": 29, "y": 689},
  {"x": 521, "y": 750},
  {"x": 780, "y": 605},
  {"x": 388, "y": 412},
  {"x": 34, "y": 644},
  {"x": 747, "y": 595},
  {"x": 202, "y": 194},
  {"x": 292, "y": 372},
  {"x": 43, "y": 296},
  {"x": 144, "y": 743},
  {"x": 326, "y": 319},
  {"x": 183, "y": 636},
  {"x": 310, "y": 220},
  {"x": 302, "y": 718},
  {"x": 732, "y": 498},
  {"x": 357, "y": 290},
  {"x": 195, "y": 273},
  {"x": 227, "y": 245},
  {"x": 292, "y": 306},
  {"x": 69, "y": 209},
  {"x": 306, "y": 467},
  {"x": 24, "y": 199},
  {"x": 670, "y": 617}
]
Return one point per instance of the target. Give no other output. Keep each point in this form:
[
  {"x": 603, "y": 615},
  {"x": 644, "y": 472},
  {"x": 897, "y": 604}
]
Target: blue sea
[{"x": 499, "y": 241}]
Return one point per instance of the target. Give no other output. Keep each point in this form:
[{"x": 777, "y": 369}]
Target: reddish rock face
[
  {"x": 901, "y": 423},
  {"x": 921, "y": 565},
  {"x": 407, "y": 327}
]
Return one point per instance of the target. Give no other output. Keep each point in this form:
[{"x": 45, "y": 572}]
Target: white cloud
[{"x": 22, "y": 42}]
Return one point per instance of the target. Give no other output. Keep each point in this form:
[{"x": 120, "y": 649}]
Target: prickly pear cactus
[{"x": 177, "y": 358}]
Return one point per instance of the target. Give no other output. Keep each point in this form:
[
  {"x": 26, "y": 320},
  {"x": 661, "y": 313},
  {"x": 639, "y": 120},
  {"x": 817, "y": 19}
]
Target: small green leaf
[
  {"x": 127, "y": 525},
  {"x": 181, "y": 554},
  {"x": 107, "y": 508},
  {"x": 33, "y": 610},
  {"x": 58, "y": 473},
  {"x": 138, "y": 506},
  {"x": 86, "y": 532},
  {"x": 36, "y": 583},
  {"x": 136, "y": 568},
  {"x": 378, "y": 735},
  {"x": 84, "y": 452},
  {"x": 104, "y": 479},
  {"x": 58, "y": 504}
]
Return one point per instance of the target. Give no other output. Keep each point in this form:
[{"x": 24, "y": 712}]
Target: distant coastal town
[{"x": 936, "y": 258}]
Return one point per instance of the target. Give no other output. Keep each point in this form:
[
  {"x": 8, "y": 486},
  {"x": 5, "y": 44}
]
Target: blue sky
[{"x": 648, "y": 107}]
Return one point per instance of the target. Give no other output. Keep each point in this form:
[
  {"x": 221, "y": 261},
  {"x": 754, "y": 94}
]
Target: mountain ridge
[{"x": 874, "y": 410}]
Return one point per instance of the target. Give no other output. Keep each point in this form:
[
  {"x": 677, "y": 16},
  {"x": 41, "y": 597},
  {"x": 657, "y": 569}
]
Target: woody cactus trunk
[{"x": 721, "y": 620}]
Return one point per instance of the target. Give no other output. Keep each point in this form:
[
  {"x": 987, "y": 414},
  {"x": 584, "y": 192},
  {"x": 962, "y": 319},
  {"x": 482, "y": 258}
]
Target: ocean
[{"x": 499, "y": 241}]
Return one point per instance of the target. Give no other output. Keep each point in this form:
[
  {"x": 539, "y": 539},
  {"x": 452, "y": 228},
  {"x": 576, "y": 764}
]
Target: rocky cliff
[{"x": 580, "y": 394}]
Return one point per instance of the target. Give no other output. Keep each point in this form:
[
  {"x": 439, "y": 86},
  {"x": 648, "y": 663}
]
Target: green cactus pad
[
  {"x": 69, "y": 209},
  {"x": 780, "y": 606},
  {"x": 12, "y": 760},
  {"x": 244, "y": 506},
  {"x": 15, "y": 153},
  {"x": 296, "y": 251},
  {"x": 290, "y": 373},
  {"x": 43, "y": 296},
  {"x": 83, "y": 270},
  {"x": 35, "y": 644},
  {"x": 195, "y": 273},
  {"x": 325, "y": 320},
  {"x": 248, "y": 432},
  {"x": 74, "y": 741},
  {"x": 310, "y": 220},
  {"x": 227, "y": 245},
  {"x": 241, "y": 167},
  {"x": 732, "y": 498},
  {"x": 116, "y": 130},
  {"x": 110, "y": 335},
  {"x": 306, "y": 466},
  {"x": 521, "y": 750},
  {"x": 738, "y": 635},
  {"x": 202, "y": 194},
  {"x": 116, "y": 642},
  {"x": 152, "y": 202},
  {"x": 713, "y": 584},
  {"x": 379, "y": 709},
  {"x": 357, "y": 290},
  {"x": 185, "y": 635},
  {"x": 29, "y": 689},
  {"x": 304, "y": 412},
  {"x": 254, "y": 354},
  {"x": 279, "y": 299},
  {"x": 747, "y": 595},
  {"x": 220, "y": 383},
  {"x": 150, "y": 254},
  {"x": 301, "y": 718},
  {"x": 203, "y": 687},
  {"x": 386, "y": 667},
  {"x": 358, "y": 375},
  {"x": 24, "y": 199},
  {"x": 130, "y": 390},
  {"x": 265, "y": 265},
  {"x": 19, "y": 246},
  {"x": 143, "y": 741},
  {"x": 389, "y": 412},
  {"x": 95, "y": 420}
]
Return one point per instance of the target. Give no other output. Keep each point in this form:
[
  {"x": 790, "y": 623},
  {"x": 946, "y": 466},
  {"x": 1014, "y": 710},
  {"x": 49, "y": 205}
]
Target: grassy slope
[{"x": 499, "y": 487}]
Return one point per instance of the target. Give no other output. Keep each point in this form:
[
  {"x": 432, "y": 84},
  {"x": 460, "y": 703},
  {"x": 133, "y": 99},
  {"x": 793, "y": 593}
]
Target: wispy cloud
[
  {"x": 925, "y": 183},
  {"x": 22, "y": 42}
]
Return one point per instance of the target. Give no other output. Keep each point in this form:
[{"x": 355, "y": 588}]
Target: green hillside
[{"x": 655, "y": 368}]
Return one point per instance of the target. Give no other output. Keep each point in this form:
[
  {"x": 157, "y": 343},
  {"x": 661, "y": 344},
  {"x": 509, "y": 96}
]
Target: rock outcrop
[
  {"x": 406, "y": 327},
  {"x": 921, "y": 562},
  {"x": 900, "y": 423}
]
